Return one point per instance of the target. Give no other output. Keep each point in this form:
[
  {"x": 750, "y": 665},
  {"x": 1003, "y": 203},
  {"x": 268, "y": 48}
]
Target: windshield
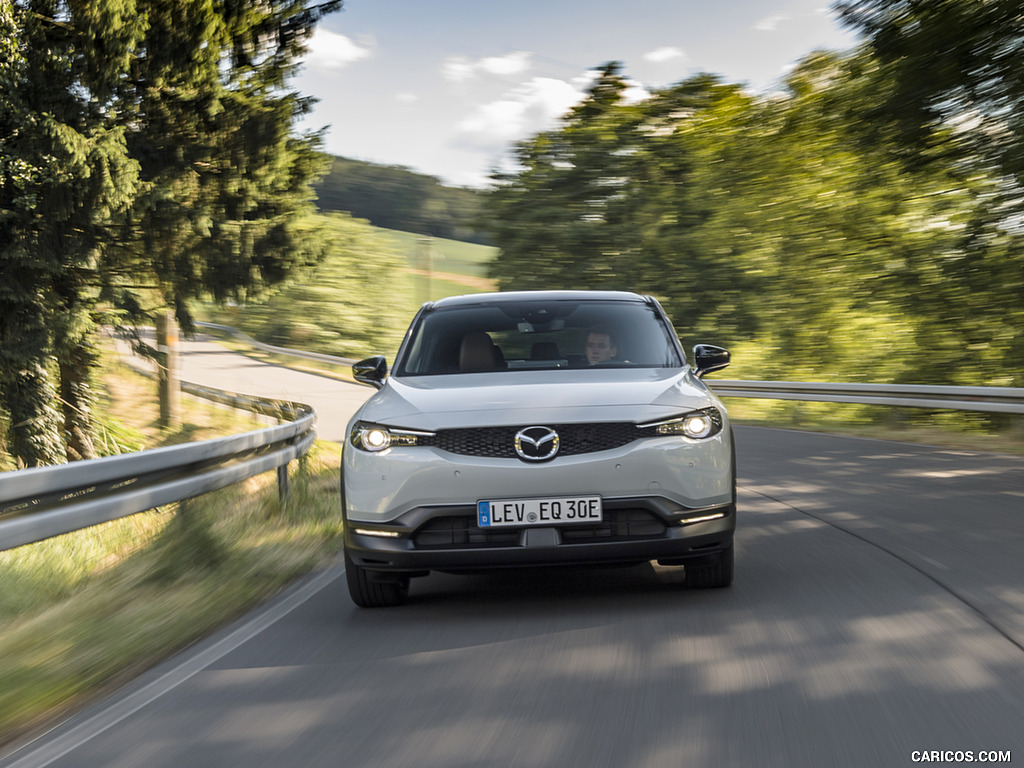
[{"x": 532, "y": 335}]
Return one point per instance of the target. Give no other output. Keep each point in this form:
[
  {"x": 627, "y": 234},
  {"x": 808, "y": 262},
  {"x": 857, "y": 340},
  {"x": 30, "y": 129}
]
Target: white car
[{"x": 530, "y": 429}]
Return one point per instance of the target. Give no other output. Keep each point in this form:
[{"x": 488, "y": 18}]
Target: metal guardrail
[
  {"x": 315, "y": 356},
  {"x": 36, "y": 504},
  {"x": 39, "y": 503},
  {"x": 990, "y": 399}
]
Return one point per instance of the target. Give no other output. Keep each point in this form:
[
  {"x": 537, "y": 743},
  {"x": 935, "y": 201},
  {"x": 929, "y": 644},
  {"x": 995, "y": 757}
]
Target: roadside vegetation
[
  {"x": 860, "y": 222},
  {"x": 325, "y": 295},
  {"x": 358, "y": 300},
  {"x": 84, "y": 612},
  {"x": 355, "y": 301},
  {"x": 793, "y": 226},
  {"x": 146, "y": 162}
]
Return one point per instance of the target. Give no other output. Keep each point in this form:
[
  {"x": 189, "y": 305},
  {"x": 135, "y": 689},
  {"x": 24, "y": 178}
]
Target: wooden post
[
  {"x": 425, "y": 265},
  {"x": 283, "y": 488},
  {"x": 168, "y": 370}
]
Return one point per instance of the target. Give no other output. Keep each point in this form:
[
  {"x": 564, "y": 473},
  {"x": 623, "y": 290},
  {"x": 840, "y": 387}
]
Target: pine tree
[
  {"x": 64, "y": 171},
  {"x": 224, "y": 178}
]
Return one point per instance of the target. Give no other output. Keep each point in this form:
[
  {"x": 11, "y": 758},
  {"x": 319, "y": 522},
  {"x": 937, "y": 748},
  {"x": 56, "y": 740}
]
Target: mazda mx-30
[{"x": 532, "y": 429}]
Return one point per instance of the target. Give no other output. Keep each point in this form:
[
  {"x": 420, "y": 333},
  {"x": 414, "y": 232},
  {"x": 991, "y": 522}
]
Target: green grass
[
  {"x": 441, "y": 268},
  {"x": 960, "y": 430},
  {"x": 361, "y": 297},
  {"x": 452, "y": 256},
  {"x": 436, "y": 287},
  {"x": 356, "y": 301},
  {"x": 92, "y": 609}
]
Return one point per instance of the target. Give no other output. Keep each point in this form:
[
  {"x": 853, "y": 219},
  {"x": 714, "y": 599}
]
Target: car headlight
[
  {"x": 377, "y": 437},
  {"x": 697, "y": 425}
]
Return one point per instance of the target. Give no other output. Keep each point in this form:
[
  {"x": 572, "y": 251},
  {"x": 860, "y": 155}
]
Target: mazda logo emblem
[{"x": 536, "y": 443}]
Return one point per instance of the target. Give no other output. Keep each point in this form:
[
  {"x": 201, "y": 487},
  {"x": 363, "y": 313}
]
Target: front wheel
[
  {"x": 369, "y": 592},
  {"x": 714, "y": 576}
]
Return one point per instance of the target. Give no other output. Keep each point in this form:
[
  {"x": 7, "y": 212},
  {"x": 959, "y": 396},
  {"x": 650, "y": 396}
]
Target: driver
[{"x": 601, "y": 347}]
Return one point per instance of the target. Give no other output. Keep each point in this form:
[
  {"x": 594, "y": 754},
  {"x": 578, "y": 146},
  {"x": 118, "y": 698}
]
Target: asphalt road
[
  {"x": 878, "y": 612},
  {"x": 206, "y": 362}
]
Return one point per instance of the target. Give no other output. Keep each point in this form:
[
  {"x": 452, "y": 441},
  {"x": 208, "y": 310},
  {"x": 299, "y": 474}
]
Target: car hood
[{"x": 544, "y": 397}]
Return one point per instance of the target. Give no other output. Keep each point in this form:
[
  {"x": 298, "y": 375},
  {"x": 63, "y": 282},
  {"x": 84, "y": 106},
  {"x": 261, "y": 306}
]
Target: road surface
[{"x": 877, "y": 614}]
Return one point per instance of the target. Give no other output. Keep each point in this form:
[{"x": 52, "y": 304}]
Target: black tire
[
  {"x": 369, "y": 593},
  {"x": 714, "y": 576}
]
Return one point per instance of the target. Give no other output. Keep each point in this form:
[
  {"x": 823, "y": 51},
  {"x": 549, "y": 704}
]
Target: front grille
[
  {"x": 498, "y": 442},
  {"x": 462, "y": 531},
  {"x": 618, "y": 525}
]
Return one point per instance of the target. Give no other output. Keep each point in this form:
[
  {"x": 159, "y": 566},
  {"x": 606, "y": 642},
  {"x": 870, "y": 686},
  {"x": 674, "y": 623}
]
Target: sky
[{"x": 445, "y": 87}]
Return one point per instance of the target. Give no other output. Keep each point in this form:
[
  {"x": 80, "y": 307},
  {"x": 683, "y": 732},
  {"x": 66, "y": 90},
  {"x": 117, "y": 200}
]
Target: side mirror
[
  {"x": 372, "y": 371},
  {"x": 708, "y": 358}
]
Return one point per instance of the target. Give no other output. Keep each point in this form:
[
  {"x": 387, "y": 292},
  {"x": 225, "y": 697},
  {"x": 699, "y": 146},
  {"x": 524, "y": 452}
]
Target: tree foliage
[
  {"x": 65, "y": 172},
  {"x": 224, "y": 181},
  {"x": 786, "y": 223},
  {"x": 955, "y": 73},
  {"x": 147, "y": 157}
]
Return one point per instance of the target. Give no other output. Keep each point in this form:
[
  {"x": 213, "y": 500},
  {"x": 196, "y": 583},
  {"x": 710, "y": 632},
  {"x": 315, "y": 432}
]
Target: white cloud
[
  {"x": 529, "y": 108},
  {"x": 635, "y": 92},
  {"x": 770, "y": 23},
  {"x": 665, "y": 53},
  {"x": 460, "y": 69},
  {"x": 329, "y": 50},
  {"x": 406, "y": 98},
  {"x": 512, "y": 64},
  {"x": 457, "y": 69}
]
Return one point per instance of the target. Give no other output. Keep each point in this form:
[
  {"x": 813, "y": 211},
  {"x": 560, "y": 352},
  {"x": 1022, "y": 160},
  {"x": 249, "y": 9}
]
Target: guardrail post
[
  {"x": 1016, "y": 427},
  {"x": 283, "y": 487}
]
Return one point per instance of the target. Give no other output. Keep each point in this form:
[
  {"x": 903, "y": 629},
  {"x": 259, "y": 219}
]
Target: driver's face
[{"x": 599, "y": 348}]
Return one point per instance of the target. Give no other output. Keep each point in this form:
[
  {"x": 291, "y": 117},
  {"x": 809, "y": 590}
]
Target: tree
[
  {"x": 25, "y": 389},
  {"x": 557, "y": 218},
  {"x": 954, "y": 87},
  {"x": 224, "y": 181},
  {"x": 64, "y": 173},
  {"x": 146, "y": 145},
  {"x": 955, "y": 68},
  {"x": 785, "y": 222},
  {"x": 394, "y": 197},
  {"x": 617, "y": 198}
]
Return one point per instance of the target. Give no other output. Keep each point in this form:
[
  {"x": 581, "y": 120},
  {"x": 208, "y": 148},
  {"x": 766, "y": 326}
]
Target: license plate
[{"x": 497, "y": 513}]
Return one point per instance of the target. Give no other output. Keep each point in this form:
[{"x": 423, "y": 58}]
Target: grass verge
[
  {"x": 957, "y": 430},
  {"x": 88, "y": 611}
]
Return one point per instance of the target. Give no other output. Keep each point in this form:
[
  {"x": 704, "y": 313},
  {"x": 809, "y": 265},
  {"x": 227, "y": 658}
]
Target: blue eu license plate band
[{"x": 497, "y": 513}]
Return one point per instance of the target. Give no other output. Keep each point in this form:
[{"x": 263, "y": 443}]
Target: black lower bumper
[{"x": 677, "y": 536}]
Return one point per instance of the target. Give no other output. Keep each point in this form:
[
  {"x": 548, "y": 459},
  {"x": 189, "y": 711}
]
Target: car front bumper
[
  {"x": 635, "y": 529},
  {"x": 380, "y": 488}
]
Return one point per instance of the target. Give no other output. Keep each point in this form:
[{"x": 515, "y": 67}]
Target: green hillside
[
  {"x": 395, "y": 197},
  {"x": 440, "y": 267},
  {"x": 360, "y": 297}
]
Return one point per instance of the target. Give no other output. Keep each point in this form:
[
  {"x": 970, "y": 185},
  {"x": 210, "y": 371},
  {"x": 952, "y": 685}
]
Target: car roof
[{"x": 505, "y": 297}]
